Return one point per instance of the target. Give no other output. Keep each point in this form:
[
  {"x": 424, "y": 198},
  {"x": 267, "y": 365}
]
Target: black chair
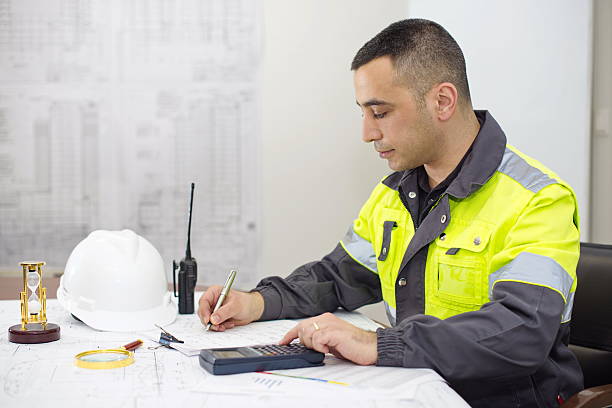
[{"x": 591, "y": 326}]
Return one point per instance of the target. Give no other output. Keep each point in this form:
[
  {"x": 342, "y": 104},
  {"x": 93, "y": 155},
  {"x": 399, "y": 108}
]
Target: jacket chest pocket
[{"x": 459, "y": 276}]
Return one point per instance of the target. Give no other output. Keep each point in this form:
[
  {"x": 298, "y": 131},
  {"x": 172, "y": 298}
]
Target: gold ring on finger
[{"x": 315, "y": 325}]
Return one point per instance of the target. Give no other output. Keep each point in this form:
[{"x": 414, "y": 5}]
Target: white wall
[
  {"x": 529, "y": 63},
  {"x": 601, "y": 148},
  {"x": 316, "y": 170}
]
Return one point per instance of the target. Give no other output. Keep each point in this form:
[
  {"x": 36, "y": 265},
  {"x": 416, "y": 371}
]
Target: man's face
[{"x": 402, "y": 131}]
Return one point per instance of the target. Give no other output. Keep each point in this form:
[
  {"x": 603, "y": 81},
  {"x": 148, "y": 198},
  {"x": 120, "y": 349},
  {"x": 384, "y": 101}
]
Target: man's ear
[{"x": 446, "y": 96}]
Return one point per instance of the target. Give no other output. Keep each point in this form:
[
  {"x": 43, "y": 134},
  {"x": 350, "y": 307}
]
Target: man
[{"x": 471, "y": 245}]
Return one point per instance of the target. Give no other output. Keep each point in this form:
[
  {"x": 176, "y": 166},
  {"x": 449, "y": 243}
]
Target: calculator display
[{"x": 227, "y": 354}]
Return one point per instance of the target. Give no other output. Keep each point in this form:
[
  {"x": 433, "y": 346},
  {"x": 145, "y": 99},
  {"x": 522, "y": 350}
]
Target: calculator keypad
[{"x": 278, "y": 350}]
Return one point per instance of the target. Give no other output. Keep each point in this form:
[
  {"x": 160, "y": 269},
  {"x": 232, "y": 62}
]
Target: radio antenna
[{"x": 188, "y": 251}]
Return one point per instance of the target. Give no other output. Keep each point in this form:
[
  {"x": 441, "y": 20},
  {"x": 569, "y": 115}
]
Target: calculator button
[{"x": 275, "y": 350}]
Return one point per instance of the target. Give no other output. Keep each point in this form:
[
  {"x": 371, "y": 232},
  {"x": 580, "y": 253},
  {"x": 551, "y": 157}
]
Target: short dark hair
[{"x": 424, "y": 54}]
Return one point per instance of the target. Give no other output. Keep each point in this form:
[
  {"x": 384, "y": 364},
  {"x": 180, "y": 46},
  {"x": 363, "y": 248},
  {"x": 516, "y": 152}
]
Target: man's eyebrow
[{"x": 372, "y": 102}]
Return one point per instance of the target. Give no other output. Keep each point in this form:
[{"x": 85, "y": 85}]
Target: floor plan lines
[{"x": 110, "y": 109}]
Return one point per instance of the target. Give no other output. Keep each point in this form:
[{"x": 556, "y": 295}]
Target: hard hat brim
[{"x": 103, "y": 320}]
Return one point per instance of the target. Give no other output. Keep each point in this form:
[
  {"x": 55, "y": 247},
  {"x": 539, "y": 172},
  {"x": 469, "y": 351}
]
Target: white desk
[{"x": 44, "y": 374}]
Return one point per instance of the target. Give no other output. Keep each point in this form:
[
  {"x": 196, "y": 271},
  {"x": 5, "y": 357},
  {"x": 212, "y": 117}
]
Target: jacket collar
[{"x": 482, "y": 161}]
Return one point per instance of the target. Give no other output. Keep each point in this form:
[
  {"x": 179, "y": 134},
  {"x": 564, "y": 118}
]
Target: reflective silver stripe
[
  {"x": 528, "y": 176},
  {"x": 567, "y": 313},
  {"x": 390, "y": 313},
  {"x": 536, "y": 270},
  {"x": 359, "y": 249}
]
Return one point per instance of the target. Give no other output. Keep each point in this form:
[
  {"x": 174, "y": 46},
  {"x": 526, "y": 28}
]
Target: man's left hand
[{"x": 329, "y": 334}]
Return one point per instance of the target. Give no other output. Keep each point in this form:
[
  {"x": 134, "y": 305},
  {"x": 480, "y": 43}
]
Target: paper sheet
[
  {"x": 196, "y": 337},
  {"x": 45, "y": 374},
  {"x": 363, "y": 382}
]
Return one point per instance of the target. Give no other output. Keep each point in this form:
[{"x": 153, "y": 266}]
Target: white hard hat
[{"x": 115, "y": 281}]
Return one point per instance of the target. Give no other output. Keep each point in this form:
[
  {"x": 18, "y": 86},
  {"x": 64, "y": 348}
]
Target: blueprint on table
[{"x": 45, "y": 373}]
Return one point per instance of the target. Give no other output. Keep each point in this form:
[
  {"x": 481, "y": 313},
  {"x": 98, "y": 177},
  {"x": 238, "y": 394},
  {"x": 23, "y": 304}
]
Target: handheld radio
[{"x": 188, "y": 272}]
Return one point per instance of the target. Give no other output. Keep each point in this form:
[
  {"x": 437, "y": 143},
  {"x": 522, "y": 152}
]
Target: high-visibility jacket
[{"x": 488, "y": 301}]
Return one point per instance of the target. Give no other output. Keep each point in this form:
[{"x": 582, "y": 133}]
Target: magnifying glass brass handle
[{"x": 133, "y": 345}]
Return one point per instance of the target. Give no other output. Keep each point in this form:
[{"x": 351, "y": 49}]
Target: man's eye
[{"x": 379, "y": 115}]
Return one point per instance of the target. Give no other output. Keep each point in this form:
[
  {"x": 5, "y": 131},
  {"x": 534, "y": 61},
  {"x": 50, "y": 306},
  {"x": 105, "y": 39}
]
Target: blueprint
[
  {"x": 109, "y": 109},
  {"x": 45, "y": 373}
]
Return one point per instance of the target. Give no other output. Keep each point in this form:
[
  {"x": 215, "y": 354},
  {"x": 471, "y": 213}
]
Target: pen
[{"x": 226, "y": 288}]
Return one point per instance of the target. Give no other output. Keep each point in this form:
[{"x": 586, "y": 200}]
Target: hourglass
[{"x": 34, "y": 327}]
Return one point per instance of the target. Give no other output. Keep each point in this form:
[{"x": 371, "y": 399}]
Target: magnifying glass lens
[
  {"x": 104, "y": 357},
  {"x": 100, "y": 359}
]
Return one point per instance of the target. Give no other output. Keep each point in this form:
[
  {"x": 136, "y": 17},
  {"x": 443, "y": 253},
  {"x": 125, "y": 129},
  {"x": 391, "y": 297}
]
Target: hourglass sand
[{"x": 34, "y": 327}]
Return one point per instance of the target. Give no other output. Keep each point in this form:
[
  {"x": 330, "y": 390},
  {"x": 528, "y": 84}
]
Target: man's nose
[{"x": 370, "y": 133}]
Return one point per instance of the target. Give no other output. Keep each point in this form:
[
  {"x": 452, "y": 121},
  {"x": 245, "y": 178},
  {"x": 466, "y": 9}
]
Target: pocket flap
[{"x": 474, "y": 237}]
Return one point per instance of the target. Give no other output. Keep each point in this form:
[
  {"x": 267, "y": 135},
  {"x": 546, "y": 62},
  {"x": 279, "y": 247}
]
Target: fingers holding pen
[
  {"x": 207, "y": 303},
  {"x": 226, "y": 312},
  {"x": 213, "y": 311},
  {"x": 229, "y": 324}
]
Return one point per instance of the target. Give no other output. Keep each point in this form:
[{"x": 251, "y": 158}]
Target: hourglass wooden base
[{"x": 34, "y": 333}]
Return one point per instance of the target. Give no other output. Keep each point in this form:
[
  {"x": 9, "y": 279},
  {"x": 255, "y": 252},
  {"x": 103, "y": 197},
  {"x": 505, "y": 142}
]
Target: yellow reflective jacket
[
  {"x": 481, "y": 291},
  {"x": 523, "y": 211}
]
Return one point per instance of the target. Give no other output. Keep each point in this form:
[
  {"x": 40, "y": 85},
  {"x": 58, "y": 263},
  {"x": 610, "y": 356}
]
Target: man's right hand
[{"x": 238, "y": 309}]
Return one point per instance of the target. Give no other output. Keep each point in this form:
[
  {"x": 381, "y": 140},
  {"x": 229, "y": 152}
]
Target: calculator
[{"x": 234, "y": 360}]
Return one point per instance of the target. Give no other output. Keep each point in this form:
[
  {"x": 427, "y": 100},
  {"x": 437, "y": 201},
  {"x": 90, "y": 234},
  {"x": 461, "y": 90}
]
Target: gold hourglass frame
[
  {"x": 41, "y": 315},
  {"x": 34, "y": 327}
]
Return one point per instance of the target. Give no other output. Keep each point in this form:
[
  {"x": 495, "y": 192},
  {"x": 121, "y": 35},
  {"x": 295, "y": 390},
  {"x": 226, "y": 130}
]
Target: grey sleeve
[
  {"x": 512, "y": 335},
  {"x": 335, "y": 281}
]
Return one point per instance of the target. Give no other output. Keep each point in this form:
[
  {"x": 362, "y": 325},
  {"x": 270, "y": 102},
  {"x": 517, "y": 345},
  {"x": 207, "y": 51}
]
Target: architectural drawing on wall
[{"x": 110, "y": 109}]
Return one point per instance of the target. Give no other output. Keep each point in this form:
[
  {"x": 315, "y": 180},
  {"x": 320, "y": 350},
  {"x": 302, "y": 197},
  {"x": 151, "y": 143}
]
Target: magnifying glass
[{"x": 109, "y": 358}]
